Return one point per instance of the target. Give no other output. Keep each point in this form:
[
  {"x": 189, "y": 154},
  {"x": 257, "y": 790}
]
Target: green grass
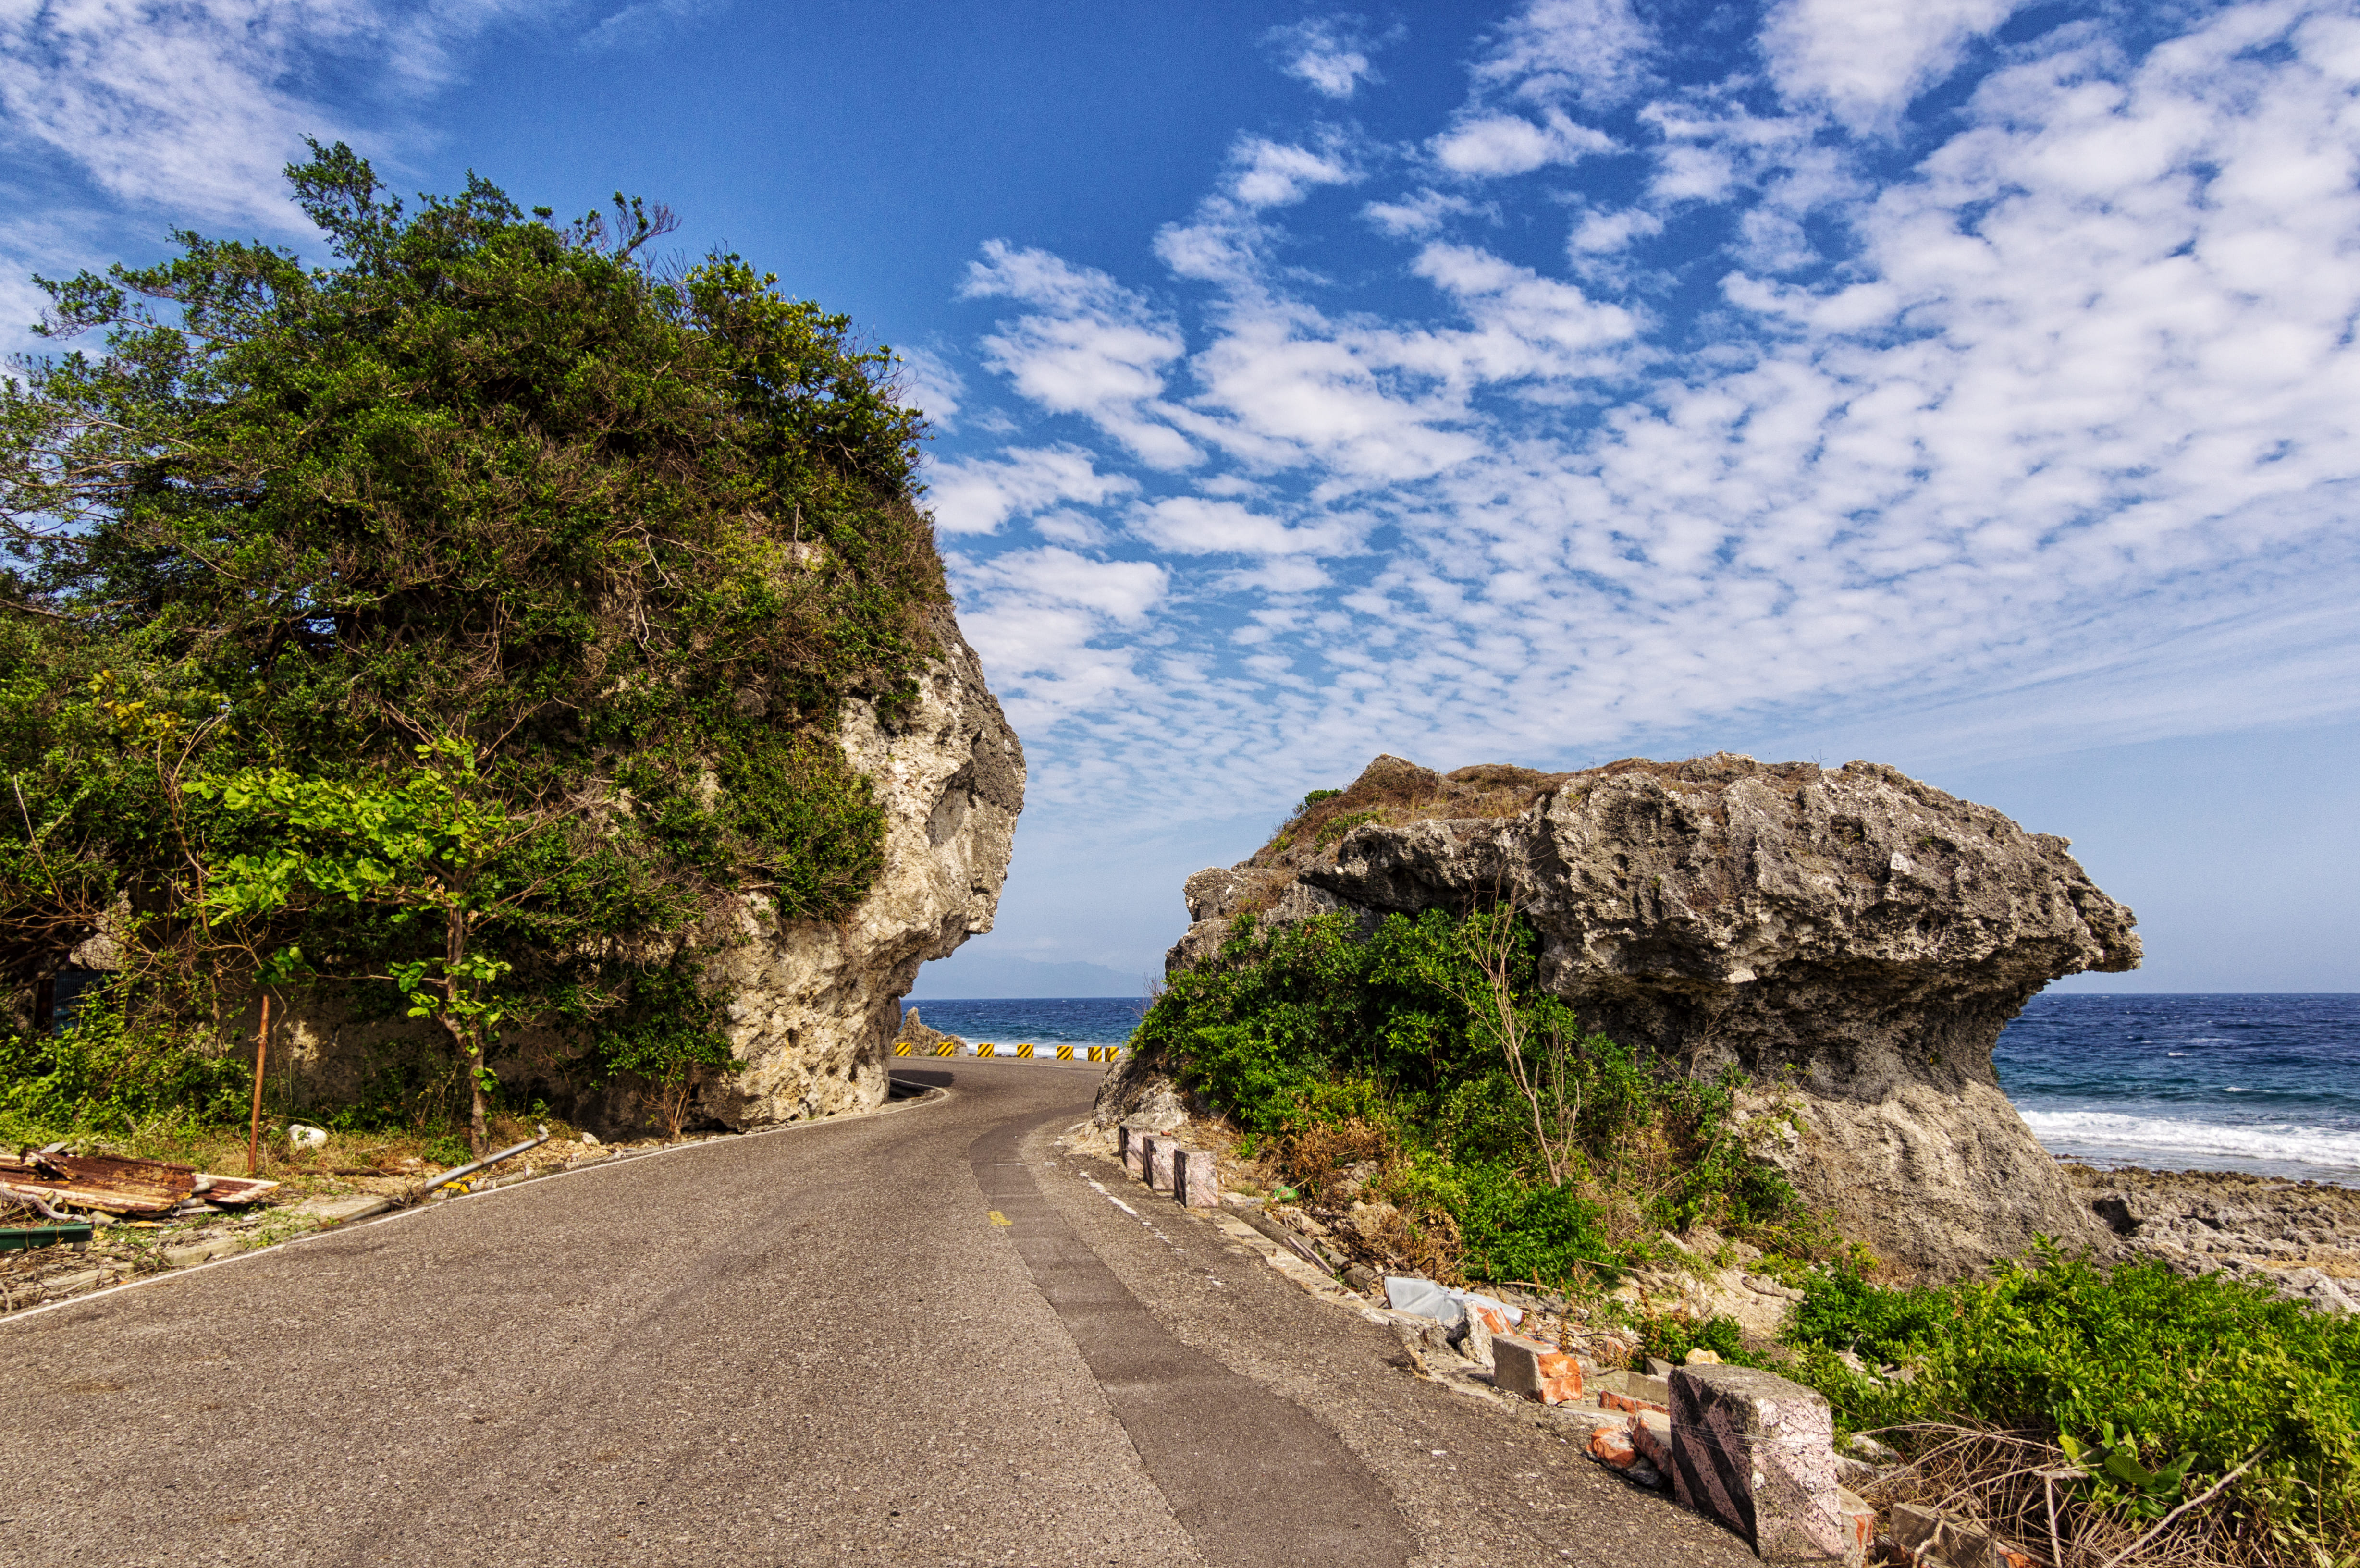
[{"x": 2135, "y": 1364}]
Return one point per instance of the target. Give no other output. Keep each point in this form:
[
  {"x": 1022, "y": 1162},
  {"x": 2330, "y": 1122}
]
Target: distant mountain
[{"x": 963, "y": 974}]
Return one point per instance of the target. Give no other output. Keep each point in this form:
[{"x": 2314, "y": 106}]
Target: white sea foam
[{"x": 2251, "y": 1146}]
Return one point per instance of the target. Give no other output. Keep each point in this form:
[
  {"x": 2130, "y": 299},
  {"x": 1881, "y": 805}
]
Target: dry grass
[
  {"x": 2023, "y": 1490},
  {"x": 1394, "y": 792},
  {"x": 222, "y": 1150}
]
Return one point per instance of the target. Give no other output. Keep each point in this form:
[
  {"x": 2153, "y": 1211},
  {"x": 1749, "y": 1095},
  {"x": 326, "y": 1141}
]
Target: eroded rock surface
[
  {"x": 1853, "y": 940},
  {"x": 816, "y": 1004},
  {"x": 2301, "y": 1238}
]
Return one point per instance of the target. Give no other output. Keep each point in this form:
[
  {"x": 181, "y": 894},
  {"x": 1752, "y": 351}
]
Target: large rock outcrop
[
  {"x": 813, "y": 1003},
  {"x": 1851, "y": 939},
  {"x": 816, "y": 1004}
]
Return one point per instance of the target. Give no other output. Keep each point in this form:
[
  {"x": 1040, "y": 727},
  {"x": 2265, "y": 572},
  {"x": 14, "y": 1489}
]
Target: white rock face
[{"x": 816, "y": 1004}]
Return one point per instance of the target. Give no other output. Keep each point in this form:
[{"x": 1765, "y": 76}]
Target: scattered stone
[
  {"x": 1857, "y": 1474},
  {"x": 1935, "y": 1540},
  {"x": 1361, "y": 1276},
  {"x": 1611, "y": 1446},
  {"x": 1700, "y": 1356},
  {"x": 204, "y": 1251},
  {"x": 587, "y": 1140},
  {"x": 1610, "y": 1400},
  {"x": 302, "y": 1137},
  {"x": 1423, "y": 1337},
  {"x": 1864, "y": 1446},
  {"x": 1756, "y": 1453},
  {"x": 1473, "y": 1337},
  {"x": 1658, "y": 1367},
  {"x": 1644, "y": 1475}
]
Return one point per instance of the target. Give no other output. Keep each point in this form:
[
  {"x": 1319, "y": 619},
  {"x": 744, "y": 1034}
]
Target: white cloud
[
  {"x": 1092, "y": 347},
  {"x": 976, "y": 495},
  {"x": 1278, "y": 174},
  {"x": 1491, "y": 145},
  {"x": 1596, "y": 50},
  {"x": 1417, "y": 215},
  {"x": 2061, "y": 407},
  {"x": 1865, "y": 62},
  {"x": 929, "y": 382},
  {"x": 638, "y": 25},
  {"x": 197, "y": 105},
  {"x": 1190, "y": 525},
  {"x": 1122, "y": 591},
  {"x": 1042, "y": 620},
  {"x": 1328, "y": 54},
  {"x": 1602, "y": 233}
]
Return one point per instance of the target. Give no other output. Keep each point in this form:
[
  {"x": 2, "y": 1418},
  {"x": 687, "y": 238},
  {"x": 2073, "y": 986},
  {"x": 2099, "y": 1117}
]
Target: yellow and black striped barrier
[{"x": 1024, "y": 1052}]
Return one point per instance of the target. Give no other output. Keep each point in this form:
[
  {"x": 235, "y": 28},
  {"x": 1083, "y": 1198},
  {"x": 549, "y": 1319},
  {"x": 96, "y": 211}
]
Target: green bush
[
  {"x": 1671, "y": 1336},
  {"x": 1397, "y": 1032},
  {"x": 2199, "y": 1372},
  {"x": 98, "y": 1076}
]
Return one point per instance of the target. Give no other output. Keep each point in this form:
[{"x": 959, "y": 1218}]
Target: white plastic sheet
[{"x": 1443, "y": 1304}]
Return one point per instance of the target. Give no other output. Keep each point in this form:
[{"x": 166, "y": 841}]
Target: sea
[{"x": 2267, "y": 1083}]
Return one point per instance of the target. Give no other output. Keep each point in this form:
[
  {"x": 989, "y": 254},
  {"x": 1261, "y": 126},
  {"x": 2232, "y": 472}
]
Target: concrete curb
[{"x": 376, "y": 1216}]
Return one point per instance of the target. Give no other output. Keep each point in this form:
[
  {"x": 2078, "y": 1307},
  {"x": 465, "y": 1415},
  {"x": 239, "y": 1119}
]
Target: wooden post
[{"x": 261, "y": 1050}]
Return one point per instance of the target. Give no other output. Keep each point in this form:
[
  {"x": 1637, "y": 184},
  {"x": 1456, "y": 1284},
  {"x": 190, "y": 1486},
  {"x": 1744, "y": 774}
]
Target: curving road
[{"x": 811, "y": 1347}]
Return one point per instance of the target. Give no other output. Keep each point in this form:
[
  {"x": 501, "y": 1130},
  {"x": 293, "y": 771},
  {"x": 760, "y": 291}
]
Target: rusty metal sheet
[{"x": 102, "y": 1181}]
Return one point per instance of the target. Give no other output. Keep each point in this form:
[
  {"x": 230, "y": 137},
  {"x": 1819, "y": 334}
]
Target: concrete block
[
  {"x": 1130, "y": 1147},
  {"x": 1534, "y": 1370},
  {"x": 1756, "y": 1453},
  {"x": 1197, "y": 1184},
  {"x": 1162, "y": 1147}
]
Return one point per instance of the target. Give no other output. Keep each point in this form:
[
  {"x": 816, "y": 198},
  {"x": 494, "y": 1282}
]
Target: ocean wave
[{"x": 2270, "y": 1143}]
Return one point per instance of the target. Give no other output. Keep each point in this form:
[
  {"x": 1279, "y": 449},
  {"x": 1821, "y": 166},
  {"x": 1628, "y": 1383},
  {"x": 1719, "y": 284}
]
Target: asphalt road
[{"x": 815, "y": 1345}]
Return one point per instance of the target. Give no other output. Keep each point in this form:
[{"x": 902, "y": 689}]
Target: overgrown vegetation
[
  {"x": 1421, "y": 1065},
  {"x": 2157, "y": 1386},
  {"x": 452, "y": 629}
]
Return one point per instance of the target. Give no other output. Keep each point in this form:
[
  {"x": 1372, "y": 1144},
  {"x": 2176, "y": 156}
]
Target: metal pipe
[
  {"x": 467, "y": 1170},
  {"x": 253, "y": 1129}
]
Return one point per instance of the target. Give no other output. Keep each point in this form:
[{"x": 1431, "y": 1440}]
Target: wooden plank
[{"x": 231, "y": 1191}]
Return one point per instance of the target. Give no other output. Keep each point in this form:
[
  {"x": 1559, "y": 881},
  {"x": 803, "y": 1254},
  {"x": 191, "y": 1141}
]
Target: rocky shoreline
[{"x": 2303, "y": 1237}]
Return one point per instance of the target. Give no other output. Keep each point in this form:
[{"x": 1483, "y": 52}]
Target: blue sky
[{"x": 1967, "y": 386}]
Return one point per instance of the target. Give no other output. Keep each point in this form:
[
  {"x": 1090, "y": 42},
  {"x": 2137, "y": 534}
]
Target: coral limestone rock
[
  {"x": 815, "y": 1005},
  {"x": 1851, "y": 939}
]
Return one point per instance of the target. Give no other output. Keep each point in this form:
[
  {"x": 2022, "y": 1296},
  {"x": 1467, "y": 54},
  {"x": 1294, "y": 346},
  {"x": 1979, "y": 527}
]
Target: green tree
[{"x": 625, "y": 537}]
